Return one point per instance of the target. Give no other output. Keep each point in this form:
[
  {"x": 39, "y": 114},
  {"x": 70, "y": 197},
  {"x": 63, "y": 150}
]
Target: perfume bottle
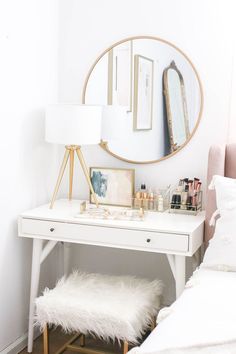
[
  {"x": 150, "y": 200},
  {"x": 143, "y": 190},
  {"x": 137, "y": 200},
  {"x": 160, "y": 204},
  {"x": 184, "y": 196},
  {"x": 176, "y": 199}
]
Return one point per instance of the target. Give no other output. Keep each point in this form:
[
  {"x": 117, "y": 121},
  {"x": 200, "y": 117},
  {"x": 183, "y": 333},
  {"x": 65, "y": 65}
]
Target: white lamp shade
[
  {"x": 114, "y": 122},
  {"x": 72, "y": 124}
]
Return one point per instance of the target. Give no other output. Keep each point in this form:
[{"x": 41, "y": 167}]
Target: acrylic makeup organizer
[
  {"x": 184, "y": 208},
  {"x": 187, "y": 197},
  {"x": 187, "y": 208}
]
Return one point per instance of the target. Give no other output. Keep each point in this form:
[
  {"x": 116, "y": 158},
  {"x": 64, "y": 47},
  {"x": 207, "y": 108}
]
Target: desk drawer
[{"x": 105, "y": 236}]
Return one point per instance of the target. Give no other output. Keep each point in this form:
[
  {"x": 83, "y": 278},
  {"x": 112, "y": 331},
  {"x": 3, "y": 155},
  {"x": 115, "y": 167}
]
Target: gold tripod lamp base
[{"x": 69, "y": 154}]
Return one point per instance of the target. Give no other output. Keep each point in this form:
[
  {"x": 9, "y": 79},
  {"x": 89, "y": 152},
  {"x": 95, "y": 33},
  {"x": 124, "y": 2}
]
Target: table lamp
[{"x": 73, "y": 125}]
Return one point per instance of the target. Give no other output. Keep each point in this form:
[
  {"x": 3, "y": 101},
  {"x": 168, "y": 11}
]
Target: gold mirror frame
[
  {"x": 172, "y": 66},
  {"x": 104, "y": 145}
]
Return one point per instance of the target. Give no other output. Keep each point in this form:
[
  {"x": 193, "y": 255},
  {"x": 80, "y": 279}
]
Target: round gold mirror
[{"x": 158, "y": 90}]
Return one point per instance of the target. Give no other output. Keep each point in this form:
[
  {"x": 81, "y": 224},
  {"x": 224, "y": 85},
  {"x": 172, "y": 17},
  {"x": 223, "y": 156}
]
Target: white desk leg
[
  {"x": 180, "y": 274},
  {"x": 35, "y": 273}
]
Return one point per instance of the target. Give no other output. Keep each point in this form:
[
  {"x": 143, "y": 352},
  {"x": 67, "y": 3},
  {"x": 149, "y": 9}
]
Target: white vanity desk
[{"x": 178, "y": 236}]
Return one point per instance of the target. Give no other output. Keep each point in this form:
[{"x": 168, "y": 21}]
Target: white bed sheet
[{"x": 202, "y": 320}]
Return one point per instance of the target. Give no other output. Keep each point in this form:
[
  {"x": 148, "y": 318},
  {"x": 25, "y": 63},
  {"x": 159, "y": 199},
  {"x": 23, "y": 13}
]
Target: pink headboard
[{"x": 221, "y": 161}]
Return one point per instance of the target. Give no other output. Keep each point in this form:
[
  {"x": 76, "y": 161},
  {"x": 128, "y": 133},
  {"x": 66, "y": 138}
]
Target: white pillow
[
  {"x": 221, "y": 252},
  {"x": 225, "y": 192}
]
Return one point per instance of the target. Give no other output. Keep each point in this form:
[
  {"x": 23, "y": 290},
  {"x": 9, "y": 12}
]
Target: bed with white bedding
[{"x": 203, "y": 319}]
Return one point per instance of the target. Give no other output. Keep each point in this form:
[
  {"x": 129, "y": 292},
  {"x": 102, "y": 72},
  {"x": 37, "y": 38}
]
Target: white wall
[
  {"x": 28, "y": 80},
  {"x": 203, "y": 30}
]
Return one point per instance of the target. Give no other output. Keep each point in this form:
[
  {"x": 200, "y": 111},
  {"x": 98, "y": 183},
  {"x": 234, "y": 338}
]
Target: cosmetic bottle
[
  {"x": 173, "y": 201},
  {"x": 178, "y": 201},
  {"x": 144, "y": 196},
  {"x": 180, "y": 187},
  {"x": 179, "y": 191},
  {"x": 189, "y": 202},
  {"x": 137, "y": 200},
  {"x": 143, "y": 190},
  {"x": 151, "y": 200},
  {"x": 184, "y": 197},
  {"x": 145, "y": 201}
]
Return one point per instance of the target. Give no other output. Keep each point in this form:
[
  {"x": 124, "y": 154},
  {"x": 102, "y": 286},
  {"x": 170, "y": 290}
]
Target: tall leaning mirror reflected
[
  {"x": 160, "y": 90},
  {"x": 176, "y": 107}
]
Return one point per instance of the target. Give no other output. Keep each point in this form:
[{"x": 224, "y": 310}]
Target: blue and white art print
[
  {"x": 112, "y": 186},
  {"x": 99, "y": 182}
]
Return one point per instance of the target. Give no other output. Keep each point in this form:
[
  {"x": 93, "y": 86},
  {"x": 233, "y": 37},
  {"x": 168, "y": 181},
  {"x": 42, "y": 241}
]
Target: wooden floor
[{"x": 57, "y": 339}]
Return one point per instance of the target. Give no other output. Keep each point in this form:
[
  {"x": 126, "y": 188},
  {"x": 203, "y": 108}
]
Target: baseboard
[{"x": 19, "y": 344}]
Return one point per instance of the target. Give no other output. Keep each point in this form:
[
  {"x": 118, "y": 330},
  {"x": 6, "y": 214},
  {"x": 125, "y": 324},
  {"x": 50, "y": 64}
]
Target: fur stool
[{"x": 108, "y": 307}]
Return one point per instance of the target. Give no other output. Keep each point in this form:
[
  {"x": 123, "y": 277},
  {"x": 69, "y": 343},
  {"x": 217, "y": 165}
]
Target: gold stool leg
[
  {"x": 125, "y": 347},
  {"x": 82, "y": 340},
  {"x": 45, "y": 341}
]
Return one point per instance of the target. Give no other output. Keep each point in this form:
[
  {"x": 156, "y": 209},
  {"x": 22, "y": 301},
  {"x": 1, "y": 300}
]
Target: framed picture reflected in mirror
[
  {"x": 120, "y": 75},
  {"x": 143, "y": 92}
]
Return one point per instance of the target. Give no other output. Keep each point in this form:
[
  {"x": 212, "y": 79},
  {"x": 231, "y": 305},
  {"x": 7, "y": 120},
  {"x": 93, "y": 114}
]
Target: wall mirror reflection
[
  {"x": 176, "y": 107},
  {"x": 160, "y": 90}
]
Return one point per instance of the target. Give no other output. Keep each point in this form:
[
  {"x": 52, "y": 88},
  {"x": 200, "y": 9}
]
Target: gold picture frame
[
  {"x": 143, "y": 92},
  {"x": 112, "y": 186}
]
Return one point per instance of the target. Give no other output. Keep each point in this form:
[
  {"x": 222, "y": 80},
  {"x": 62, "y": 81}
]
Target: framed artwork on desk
[{"x": 112, "y": 186}]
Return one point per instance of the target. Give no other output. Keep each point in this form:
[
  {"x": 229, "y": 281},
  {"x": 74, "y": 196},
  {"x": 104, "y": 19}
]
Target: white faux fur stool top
[{"x": 110, "y": 307}]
